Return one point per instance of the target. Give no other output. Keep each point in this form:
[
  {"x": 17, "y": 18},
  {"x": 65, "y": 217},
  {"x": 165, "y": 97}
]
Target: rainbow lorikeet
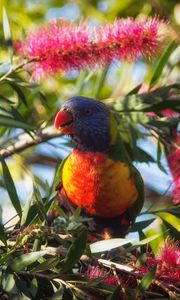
[{"x": 98, "y": 175}]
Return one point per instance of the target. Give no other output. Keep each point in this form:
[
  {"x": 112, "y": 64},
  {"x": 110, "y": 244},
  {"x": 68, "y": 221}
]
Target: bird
[{"x": 98, "y": 174}]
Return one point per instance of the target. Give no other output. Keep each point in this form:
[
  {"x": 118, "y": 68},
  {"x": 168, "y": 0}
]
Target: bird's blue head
[{"x": 86, "y": 120}]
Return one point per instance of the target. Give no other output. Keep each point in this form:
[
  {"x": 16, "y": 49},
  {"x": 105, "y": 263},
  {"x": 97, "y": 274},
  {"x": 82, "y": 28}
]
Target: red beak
[{"x": 63, "y": 121}]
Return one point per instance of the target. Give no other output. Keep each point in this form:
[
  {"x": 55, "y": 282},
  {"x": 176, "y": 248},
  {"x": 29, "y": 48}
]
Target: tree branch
[{"x": 25, "y": 141}]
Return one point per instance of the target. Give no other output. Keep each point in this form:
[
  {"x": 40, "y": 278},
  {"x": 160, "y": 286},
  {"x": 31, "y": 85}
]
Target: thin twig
[
  {"x": 25, "y": 141},
  {"x": 15, "y": 69},
  {"x": 162, "y": 285}
]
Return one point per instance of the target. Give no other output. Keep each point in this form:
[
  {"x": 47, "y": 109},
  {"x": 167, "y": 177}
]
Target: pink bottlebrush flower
[
  {"x": 61, "y": 46},
  {"x": 169, "y": 256},
  {"x": 167, "y": 262},
  {"x": 26, "y": 248},
  {"x": 174, "y": 164},
  {"x": 94, "y": 272}
]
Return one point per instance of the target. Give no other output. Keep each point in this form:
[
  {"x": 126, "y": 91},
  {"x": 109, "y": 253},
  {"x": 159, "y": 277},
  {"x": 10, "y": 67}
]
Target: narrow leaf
[
  {"x": 141, "y": 225},
  {"x": 10, "y": 122},
  {"x": 25, "y": 260},
  {"x": 159, "y": 154},
  {"x": 135, "y": 90},
  {"x": 6, "y": 29},
  {"x": 147, "y": 280},
  {"x": 19, "y": 92},
  {"x": 75, "y": 251},
  {"x": 3, "y": 237},
  {"x": 58, "y": 295},
  {"x": 11, "y": 187},
  {"x": 107, "y": 245},
  {"x": 115, "y": 295},
  {"x": 26, "y": 210},
  {"x": 171, "y": 219},
  {"x": 46, "y": 265},
  {"x": 144, "y": 241},
  {"x": 161, "y": 63},
  {"x": 40, "y": 204}
]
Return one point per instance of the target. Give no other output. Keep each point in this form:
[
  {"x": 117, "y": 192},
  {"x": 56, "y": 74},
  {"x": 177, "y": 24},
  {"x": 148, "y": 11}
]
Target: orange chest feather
[{"x": 101, "y": 186}]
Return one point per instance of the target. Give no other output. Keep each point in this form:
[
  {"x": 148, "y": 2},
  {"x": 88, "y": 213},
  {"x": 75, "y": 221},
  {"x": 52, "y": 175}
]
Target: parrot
[{"x": 98, "y": 174}]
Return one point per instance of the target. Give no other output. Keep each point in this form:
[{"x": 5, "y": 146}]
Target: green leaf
[
  {"x": 3, "y": 237},
  {"x": 147, "y": 280},
  {"x": 161, "y": 63},
  {"x": 107, "y": 245},
  {"x": 135, "y": 90},
  {"x": 11, "y": 187},
  {"x": 37, "y": 245},
  {"x": 141, "y": 260},
  {"x": 58, "y": 295},
  {"x": 26, "y": 210},
  {"x": 25, "y": 260},
  {"x": 40, "y": 204},
  {"x": 19, "y": 92},
  {"x": 159, "y": 154},
  {"x": 46, "y": 265},
  {"x": 170, "y": 218},
  {"x": 5, "y": 258},
  {"x": 75, "y": 251},
  {"x": 115, "y": 295},
  {"x": 156, "y": 244},
  {"x": 144, "y": 241},
  {"x": 34, "y": 287},
  {"x": 76, "y": 213},
  {"x": 8, "y": 283},
  {"x": 141, "y": 225},
  {"x": 10, "y": 122},
  {"x": 100, "y": 82},
  {"x": 175, "y": 210},
  {"x": 7, "y": 32}
]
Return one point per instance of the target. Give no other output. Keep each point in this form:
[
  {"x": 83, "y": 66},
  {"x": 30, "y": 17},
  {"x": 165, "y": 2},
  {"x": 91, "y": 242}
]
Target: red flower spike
[
  {"x": 94, "y": 272},
  {"x": 167, "y": 263},
  {"x": 26, "y": 248},
  {"x": 170, "y": 254},
  {"x": 61, "y": 46},
  {"x": 174, "y": 164}
]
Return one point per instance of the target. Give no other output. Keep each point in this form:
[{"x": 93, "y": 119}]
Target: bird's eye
[{"x": 87, "y": 111}]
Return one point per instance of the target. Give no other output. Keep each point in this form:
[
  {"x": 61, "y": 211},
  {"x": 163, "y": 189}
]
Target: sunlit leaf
[
  {"x": 34, "y": 287},
  {"x": 170, "y": 218},
  {"x": 8, "y": 283},
  {"x": 25, "y": 260},
  {"x": 58, "y": 295},
  {"x": 11, "y": 187},
  {"x": 7, "y": 32},
  {"x": 107, "y": 245},
  {"x": 159, "y": 155},
  {"x": 161, "y": 63}
]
